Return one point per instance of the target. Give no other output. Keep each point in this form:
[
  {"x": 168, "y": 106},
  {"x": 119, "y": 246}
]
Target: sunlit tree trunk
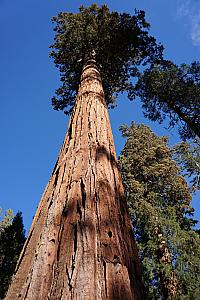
[{"x": 80, "y": 245}]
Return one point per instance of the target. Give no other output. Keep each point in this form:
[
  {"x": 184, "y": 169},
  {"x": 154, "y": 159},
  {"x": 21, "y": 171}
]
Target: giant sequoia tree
[
  {"x": 80, "y": 244},
  {"x": 159, "y": 202}
]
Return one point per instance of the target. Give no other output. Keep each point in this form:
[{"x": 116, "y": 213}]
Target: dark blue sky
[{"x": 31, "y": 131}]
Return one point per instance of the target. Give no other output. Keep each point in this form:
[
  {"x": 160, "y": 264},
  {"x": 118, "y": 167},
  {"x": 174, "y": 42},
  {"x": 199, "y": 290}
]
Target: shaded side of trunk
[{"x": 80, "y": 245}]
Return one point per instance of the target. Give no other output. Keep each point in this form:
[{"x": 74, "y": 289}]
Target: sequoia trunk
[
  {"x": 169, "y": 285},
  {"x": 80, "y": 244}
]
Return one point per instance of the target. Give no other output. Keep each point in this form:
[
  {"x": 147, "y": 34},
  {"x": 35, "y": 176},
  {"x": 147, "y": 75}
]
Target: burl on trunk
[{"x": 80, "y": 245}]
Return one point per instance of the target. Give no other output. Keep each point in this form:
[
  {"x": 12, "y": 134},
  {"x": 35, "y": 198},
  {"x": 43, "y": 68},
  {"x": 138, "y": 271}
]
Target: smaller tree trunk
[{"x": 169, "y": 285}]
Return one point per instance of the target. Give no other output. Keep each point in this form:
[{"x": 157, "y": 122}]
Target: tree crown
[{"x": 121, "y": 43}]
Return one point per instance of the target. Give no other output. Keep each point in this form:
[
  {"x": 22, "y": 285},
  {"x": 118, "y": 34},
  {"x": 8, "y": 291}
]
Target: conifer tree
[
  {"x": 160, "y": 205},
  {"x": 172, "y": 91},
  {"x": 12, "y": 239},
  {"x": 80, "y": 245}
]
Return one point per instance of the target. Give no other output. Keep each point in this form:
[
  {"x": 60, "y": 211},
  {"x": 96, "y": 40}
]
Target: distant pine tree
[
  {"x": 159, "y": 202},
  {"x": 12, "y": 239}
]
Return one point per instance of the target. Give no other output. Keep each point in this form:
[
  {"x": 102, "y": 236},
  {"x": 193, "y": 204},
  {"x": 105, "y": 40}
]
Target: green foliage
[
  {"x": 5, "y": 218},
  {"x": 12, "y": 239},
  {"x": 121, "y": 43},
  {"x": 168, "y": 90},
  {"x": 187, "y": 155},
  {"x": 159, "y": 204}
]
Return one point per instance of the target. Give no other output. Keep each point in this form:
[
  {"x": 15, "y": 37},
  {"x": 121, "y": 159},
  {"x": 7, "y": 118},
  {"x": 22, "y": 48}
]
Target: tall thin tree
[{"x": 80, "y": 245}]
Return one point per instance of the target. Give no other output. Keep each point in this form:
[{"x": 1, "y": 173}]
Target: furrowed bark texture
[
  {"x": 169, "y": 285},
  {"x": 80, "y": 245}
]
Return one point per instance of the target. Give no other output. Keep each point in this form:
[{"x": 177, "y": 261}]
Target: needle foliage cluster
[
  {"x": 187, "y": 155},
  {"x": 170, "y": 91}
]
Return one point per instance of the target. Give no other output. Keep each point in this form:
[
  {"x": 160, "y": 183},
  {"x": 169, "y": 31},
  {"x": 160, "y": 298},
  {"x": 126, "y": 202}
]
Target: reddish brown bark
[
  {"x": 169, "y": 284},
  {"x": 80, "y": 244}
]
